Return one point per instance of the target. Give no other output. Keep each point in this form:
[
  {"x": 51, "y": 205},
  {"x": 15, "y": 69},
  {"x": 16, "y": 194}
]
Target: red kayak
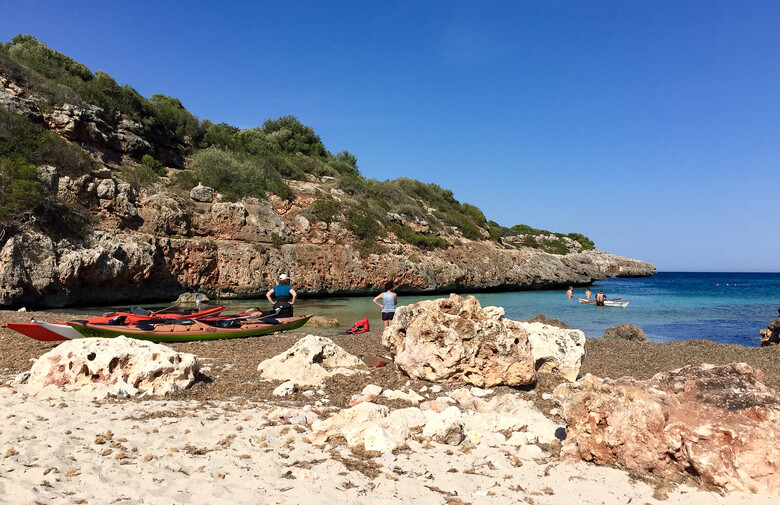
[{"x": 52, "y": 332}]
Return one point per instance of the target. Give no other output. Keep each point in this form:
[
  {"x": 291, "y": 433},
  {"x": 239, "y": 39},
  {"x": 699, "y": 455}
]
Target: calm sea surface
[{"x": 724, "y": 307}]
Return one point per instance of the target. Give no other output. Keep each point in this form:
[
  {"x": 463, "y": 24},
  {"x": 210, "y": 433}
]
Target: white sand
[{"x": 64, "y": 448}]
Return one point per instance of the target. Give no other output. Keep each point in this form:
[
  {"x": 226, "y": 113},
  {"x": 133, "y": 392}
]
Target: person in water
[
  {"x": 285, "y": 297},
  {"x": 587, "y": 293},
  {"x": 570, "y": 292},
  {"x": 389, "y": 299},
  {"x": 600, "y": 297}
]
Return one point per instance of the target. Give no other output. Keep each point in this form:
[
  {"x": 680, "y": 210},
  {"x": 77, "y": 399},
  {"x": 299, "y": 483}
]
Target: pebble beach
[{"x": 227, "y": 439}]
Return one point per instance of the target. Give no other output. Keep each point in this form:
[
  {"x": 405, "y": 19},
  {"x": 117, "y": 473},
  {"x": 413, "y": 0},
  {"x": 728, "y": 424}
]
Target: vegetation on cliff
[{"x": 238, "y": 163}]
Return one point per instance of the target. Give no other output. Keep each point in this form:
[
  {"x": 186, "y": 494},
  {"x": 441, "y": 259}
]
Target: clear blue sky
[{"x": 651, "y": 127}]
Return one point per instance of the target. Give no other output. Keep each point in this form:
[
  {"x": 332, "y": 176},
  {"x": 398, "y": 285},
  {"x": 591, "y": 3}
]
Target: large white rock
[
  {"x": 454, "y": 340},
  {"x": 310, "y": 361},
  {"x": 115, "y": 365},
  {"x": 556, "y": 350}
]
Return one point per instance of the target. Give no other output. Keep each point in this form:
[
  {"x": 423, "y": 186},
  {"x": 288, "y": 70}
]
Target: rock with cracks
[
  {"x": 720, "y": 424},
  {"x": 454, "y": 340}
]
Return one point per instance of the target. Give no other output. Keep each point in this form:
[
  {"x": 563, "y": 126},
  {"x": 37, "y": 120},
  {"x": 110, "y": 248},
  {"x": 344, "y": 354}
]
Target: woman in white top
[{"x": 389, "y": 300}]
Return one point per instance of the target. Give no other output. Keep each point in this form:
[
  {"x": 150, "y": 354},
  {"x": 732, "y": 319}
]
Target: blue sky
[{"x": 651, "y": 127}]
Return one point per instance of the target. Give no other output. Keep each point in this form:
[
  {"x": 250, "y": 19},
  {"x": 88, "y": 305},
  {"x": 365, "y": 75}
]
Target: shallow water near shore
[{"x": 729, "y": 308}]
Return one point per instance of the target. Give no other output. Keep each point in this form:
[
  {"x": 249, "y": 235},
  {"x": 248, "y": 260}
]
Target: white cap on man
[{"x": 283, "y": 277}]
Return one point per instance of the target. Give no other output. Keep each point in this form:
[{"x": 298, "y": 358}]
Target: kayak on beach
[
  {"x": 53, "y": 332},
  {"x": 187, "y": 330}
]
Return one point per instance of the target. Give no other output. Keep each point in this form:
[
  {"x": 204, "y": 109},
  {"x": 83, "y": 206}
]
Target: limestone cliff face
[{"x": 157, "y": 245}]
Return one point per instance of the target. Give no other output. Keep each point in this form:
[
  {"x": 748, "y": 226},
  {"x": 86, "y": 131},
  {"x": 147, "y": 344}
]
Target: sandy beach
[{"x": 229, "y": 440}]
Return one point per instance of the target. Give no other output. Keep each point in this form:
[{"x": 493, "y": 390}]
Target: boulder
[
  {"x": 285, "y": 389},
  {"x": 309, "y": 362},
  {"x": 626, "y": 331},
  {"x": 203, "y": 194},
  {"x": 322, "y": 322},
  {"x": 556, "y": 350},
  {"x": 771, "y": 334},
  {"x": 454, "y": 340},
  {"x": 115, "y": 365},
  {"x": 720, "y": 424},
  {"x": 106, "y": 189}
]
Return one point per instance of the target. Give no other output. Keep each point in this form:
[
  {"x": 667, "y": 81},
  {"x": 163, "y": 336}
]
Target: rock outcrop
[
  {"x": 454, "y": 340},
  {"x": 771, "y": 334},
  {"x": 119, "y": 366},
  {"x": 719, "y": 424}
]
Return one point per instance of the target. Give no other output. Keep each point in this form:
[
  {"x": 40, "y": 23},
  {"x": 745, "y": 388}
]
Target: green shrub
[
  {"x": 154, "y": 165},
  {"x": 21, "y": 138},
  {"x": 586, "y": 243},
  {"x": 253, "y": 141},
  {"x": 139, "y": 176},
  {"x": 20, "y": 191},
  {"x": 363, "y": 225},
  {"x": 237, "y": 175},
  {"x": 49, "y": 63},
  {"x": 554, "y": 246},
  {"x": 293, "y": 137},
  {"x": 353, "y": 183},
  {"x": 172, "y": 116},
  {"x": 453, "y": 218},
  {"x": 417, "y": 239},
  {"x": 219, "y": 135},
  {"x": 326, "y": 209}
]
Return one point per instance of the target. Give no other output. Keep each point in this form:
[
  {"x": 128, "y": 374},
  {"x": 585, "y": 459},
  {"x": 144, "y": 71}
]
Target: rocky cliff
[
  {"x": 153, "y": 242},
  {"x": 155, "y": 246}
]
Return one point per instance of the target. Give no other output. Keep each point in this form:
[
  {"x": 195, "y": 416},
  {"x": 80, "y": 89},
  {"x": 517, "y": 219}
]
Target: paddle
[{"x": 168, "y": 308}]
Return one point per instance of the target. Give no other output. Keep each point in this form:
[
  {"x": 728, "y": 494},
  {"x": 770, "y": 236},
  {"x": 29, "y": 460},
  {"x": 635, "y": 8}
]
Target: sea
[{"x": 729, "y": 308}]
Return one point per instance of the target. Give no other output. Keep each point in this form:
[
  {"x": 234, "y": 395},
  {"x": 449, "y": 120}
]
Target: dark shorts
[{"x": 387, "y": 316}]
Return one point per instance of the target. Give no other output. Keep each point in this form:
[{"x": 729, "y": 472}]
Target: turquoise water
[{"x": 723, "y": 307}]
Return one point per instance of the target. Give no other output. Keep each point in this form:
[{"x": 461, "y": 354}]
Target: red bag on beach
[{"x": 361, "y": 326}]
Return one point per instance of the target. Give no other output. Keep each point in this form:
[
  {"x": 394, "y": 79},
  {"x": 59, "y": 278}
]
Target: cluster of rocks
[
  {"x": 771, "y": 334},
  {"x": 110, "y": 137}
]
